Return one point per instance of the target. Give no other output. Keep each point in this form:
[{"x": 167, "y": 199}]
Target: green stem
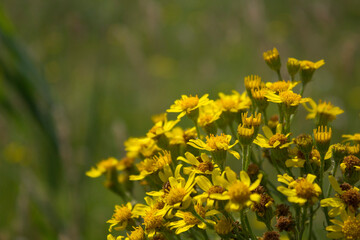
[
  {"x": 322, "y": 164},
  {"x": 281, "y": 115},
  {"x": 304, "y": 217},
  {"x": 311, "y": 222},
  {"x": 243, "y": 150},
  {"x": 279, "y": 75},
  {"x": 246, "y": 221},
  {"x": 206, "y": 237},
  {"x": 247, "y": 159},
  {"x": 265, "y": 117},
  {"x": 197, "y": 129},
  {"x": 332, "y": 173}
]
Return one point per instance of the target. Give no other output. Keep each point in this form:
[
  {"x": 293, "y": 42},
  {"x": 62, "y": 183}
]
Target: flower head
[
  {"x": 201, "y": 165},
  {"x": 281, "y": 86},
  {"x": 252, "y": 82},
  {"x": 355, "y": 138},
  {"x": 301, "y": 190},
  {"x": 151, "y": 165},
  {"x": 293, "y": 66},
  {"x": 307, "y": 69},
  {"x": 348, "y": 228},
  {"x": 234, "y": 102},
  {"x": 141, "y": 147},
  {"x": 219, "y": 143},
  {"x": 322, "y": 136},
  {"x": 161, "y": 127},
  {"x": 346, "y": 197},
  {"x": 104, "y": 166},
  {"x": 188, "y": 220},
  {"x": 271, "y": 140},
  {"x": 272, "y": 59},
  {"x": 324, "y": 112},
  {"x": 188, "y": 105},
  {"x": 122, "y": 215},
  {"x": 239, "y": 191}
]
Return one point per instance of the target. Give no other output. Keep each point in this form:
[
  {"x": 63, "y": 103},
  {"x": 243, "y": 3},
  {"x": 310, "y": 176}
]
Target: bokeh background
[{"x": 79, "y": 77}]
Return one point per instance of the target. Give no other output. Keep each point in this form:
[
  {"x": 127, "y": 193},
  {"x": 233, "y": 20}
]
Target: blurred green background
[{"x": 79, "y": 77}]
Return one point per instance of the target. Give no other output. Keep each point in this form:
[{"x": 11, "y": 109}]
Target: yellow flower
[
  {"x": 209, "y": 114},
  {"x": 121, "y": 217},
  {"x": 347, "y": 196},
  {"x": 281, "y": 86},
  {"x": 152, "y": 221},
  {"x": 140, "y": 147},
  {"x": 293, "y": 66},
  {"x": 289, "y": 98},
  {"x": 178, "y": 194},
  {"x": 348, "y": 228},
  {"x": 202, "y": 166},
  {"x": 161, "y": 127},
  {"x": 252, "y": 82},
  {"x": 111, "y": 237},
  {"x": 103, "y": 167},
  {"x": 325, "y": 112},
  {"x": 188, "y": 220},
  {"x": 271, "y": 140},
  {"x": 354, "y": 138},
  {"x": 188, "y": 105},
  {"x": 295, "y": 162},
  {"x": 213, "y": 190},
  {"x": 258, "y": 95},
  {"x": 322, "y": 136},
  {"x": 272, "y": 59},
  {"x": 234, "y": 102},
  {"x": 350, "y": 163},
  {"x": 136, "y": 234},
  {"x": 224, "y": 226},
  {"x": 307, "y": 69},
  {"x": 301, "y": 190},
  {"x": 238, "y": 190},
  {"x": 152, "y": 165},
  {"x": 179, "y": 136},
  {"x": 220, "y": 143}
]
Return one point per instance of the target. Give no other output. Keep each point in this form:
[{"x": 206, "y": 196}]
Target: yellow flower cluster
[{"x": 188, "y": 175}]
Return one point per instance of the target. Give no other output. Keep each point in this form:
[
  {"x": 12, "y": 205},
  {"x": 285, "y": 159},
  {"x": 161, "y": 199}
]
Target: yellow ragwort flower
[
  {"x": 347, "y": 196},
  {"x": 219, "y": 143},
  {"x": 234, "y": 102},
  {"x": 178, "y": 194},
  {"x": 213, "y": 190},
  {"x": 188, "y": 105},
  {"x": 141, "y": 147},
  {"x": 281, "y": 86},
  {"x": 252, "y": 82},
  {"x": 348, "y": 137},
  {"x": 271, "y": 140},
  {"x": 325, "y": 112},
  {"x": 161, "y": 127},
  {"x": 272, "y": 59},
  {"x": 293, "y": 66},
  {"x": 307, "y": 69},
  {"x": 289, "y": 98},
  {"x": 188, "y": 220},
  {"x": 103, "y": 167},
  {"x": 136, "y": 234},
  {"x": 152, "y": 221},
  {"x": 301, "y": 190},
  {"x": 201, "y": 165},
  {"x": 348, "y": 228},
  {"x": 238, "y": 190},
  {"x": 122, "y": 216},
  {"x": 151, "y": 165}
]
